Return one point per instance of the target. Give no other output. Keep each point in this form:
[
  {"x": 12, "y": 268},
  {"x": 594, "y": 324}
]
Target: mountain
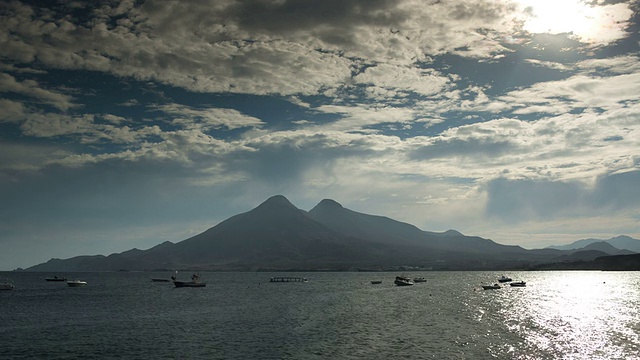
[
  {"x": 609, "y": 263},
  {"x": 387, "y": 231},
  {"x": 274, "y": 233},
  {"x": 621, "y": 242},
  {"x": 278, "y": 236},
  {"x": 606, "y": 248}
]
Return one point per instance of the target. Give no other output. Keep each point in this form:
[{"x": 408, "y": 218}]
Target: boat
[
  {"x": 279, "y": 279},
  {"x": 374, "y": 282},
  {"x": 503, "y": 279},
  {"x": 403, "y": 281},
  {"x": 76, "y": 283},
  {"x": 419, "y": 279},
  {"x": 491, "y": 287},
  {"x": 6, "y": 285},
  {"x": 518, "y": 284},
  {"x": 195, "y": 282},
  {"x": 159, "y": 280}
]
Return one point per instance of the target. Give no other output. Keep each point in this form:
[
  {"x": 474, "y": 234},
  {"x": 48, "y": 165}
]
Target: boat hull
[
  {"x": 490, "y": 287},
  {"x": 181, "y": 284},
  {"x": 403, "y": 281},
  {"x": 76, "y": 283}
]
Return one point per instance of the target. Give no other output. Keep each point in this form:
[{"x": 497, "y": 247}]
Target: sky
[{"x": 124, "y": 124}]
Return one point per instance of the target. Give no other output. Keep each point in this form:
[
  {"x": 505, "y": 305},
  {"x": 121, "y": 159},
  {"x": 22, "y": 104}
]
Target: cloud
[
  {"x": 363, "y": 118},
  {"x": 617, "y": 191},
  {"x": 259, "y": 47},
  {"x": 30, "y": 88},
  {"x": 425, "y": 82},
  {"x": 595, "y": 23},
  {"x": 208, "y": 118},
  {"x": 12, "y": 111},
  {"x": 579, "y": 92},
  {"x": 515, "y": 201}
]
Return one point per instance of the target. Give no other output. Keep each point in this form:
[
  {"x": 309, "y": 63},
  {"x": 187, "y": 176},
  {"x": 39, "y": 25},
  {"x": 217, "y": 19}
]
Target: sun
[{"x": 584, "y": 21}]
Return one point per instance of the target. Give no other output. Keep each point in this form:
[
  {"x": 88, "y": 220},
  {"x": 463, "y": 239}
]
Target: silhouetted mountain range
[
  {"x": 621, "y": 242},
  {"x": 278, "y": 236}
]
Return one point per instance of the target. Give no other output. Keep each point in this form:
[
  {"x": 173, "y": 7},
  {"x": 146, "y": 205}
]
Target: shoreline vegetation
[{"x": 604, "y": 263}]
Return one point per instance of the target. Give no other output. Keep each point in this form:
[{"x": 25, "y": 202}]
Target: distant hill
[
  {"x": 621, "y": 242},
  {"x": 608, "y": 263},
  {"x": 278, "y": 236}
]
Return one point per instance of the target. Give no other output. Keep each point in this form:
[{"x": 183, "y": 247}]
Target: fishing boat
[
  {"x": 375, "y": 282},
  {"x": 76, "y": 283},
  {"x": 419, "y": 280},
  {"x": 403, "y": 281},
  {"x": 503, "y": 279},
  {"x": 518, "y": 284},
  {"x": 195, "y": 282},
  {"x": 56, "y": 278},
  {"x": 159, "y": 280}
]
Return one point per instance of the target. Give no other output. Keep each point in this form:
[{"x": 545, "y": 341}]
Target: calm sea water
[{"x": 559, "y": 315}]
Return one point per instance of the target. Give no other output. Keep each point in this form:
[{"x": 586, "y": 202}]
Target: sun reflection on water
[{"x": 575, "y": 315}]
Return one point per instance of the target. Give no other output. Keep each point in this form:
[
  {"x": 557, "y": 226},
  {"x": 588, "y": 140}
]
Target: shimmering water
[{"x": 559, "y": 315}]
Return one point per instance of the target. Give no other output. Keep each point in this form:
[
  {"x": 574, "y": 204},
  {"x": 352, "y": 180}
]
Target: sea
[{"x": 334, "y": 315}]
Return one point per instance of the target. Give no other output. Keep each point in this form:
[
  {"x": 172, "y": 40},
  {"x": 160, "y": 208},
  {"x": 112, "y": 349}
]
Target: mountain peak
[
  {"x": 277, "y": 200},
  {"x": 329, "y": 203}
]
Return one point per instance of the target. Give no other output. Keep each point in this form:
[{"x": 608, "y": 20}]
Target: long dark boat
[
  {"x": 288, "y": 279},
  {"x": 56, "y": 278},
  {"x": 195, "y": 282}
]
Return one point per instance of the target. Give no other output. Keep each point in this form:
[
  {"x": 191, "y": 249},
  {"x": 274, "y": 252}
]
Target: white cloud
[
  {"x": 31, "y": 88},
  {"x": 361, "y": 118},
  {"x": 421, "y": 81},
  {"x": 209, "y": 118},
  {"x": 222, "y": 46}
]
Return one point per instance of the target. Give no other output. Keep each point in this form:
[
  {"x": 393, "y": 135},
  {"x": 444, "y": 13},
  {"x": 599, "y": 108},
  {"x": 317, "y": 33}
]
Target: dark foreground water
[{"x": 559, "y": 315}]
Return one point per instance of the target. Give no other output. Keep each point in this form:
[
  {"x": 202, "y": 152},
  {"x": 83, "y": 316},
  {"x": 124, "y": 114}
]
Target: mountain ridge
[
  {"x": 276, "y": 235},
  {"x": 620, "y": 242}
]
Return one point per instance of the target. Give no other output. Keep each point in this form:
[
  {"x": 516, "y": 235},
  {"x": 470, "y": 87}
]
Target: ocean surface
[{"x": 558, "y": 315}]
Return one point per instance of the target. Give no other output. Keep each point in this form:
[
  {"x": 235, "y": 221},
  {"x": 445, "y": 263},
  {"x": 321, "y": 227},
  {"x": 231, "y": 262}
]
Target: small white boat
[
  {"x": 491, "y": 287},
  {"x": 76, "y": 283},
  {"x": 518, "y": 284},
  {"x": 403, "y": 281},
  {"x": 504, "y": 279},
  {"x": 6, "y": 285}
]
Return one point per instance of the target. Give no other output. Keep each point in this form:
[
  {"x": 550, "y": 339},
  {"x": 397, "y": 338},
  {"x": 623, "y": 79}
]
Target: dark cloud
[
  {"x": 472, "y": 149},
  {"x": 294, "y": 15},
  {"x": 519, "y": 200},
  {"x": 617, "y": 191}
]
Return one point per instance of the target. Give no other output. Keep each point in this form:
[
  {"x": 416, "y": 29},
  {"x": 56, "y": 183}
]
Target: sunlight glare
[{"x": 584, "y": 21}]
